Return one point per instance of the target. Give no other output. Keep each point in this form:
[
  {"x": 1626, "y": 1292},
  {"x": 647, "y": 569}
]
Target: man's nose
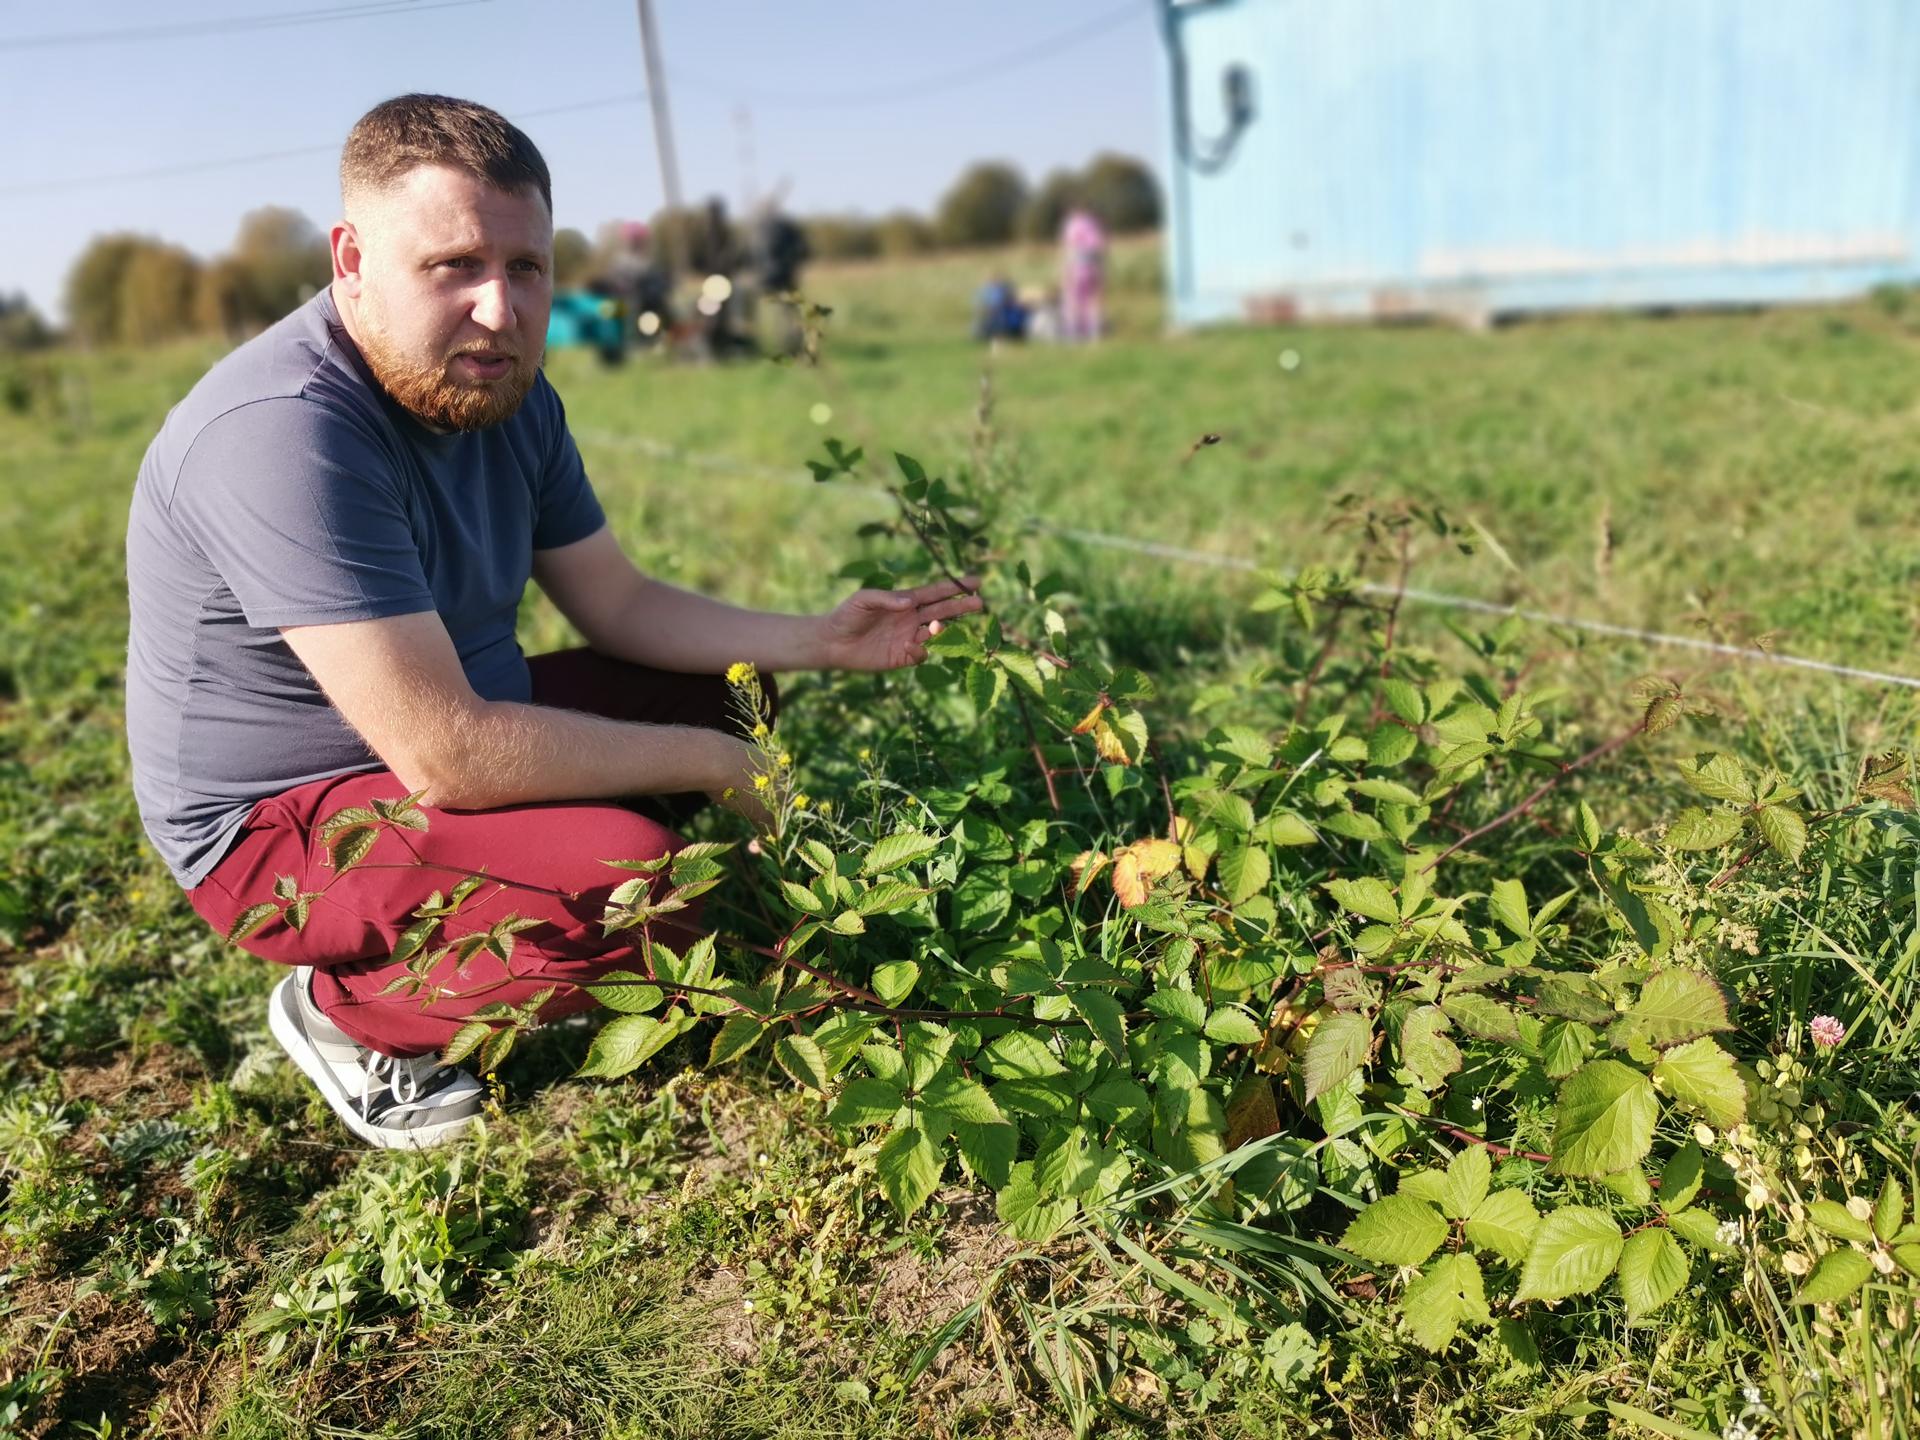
[{"x": 493, "y": 304}]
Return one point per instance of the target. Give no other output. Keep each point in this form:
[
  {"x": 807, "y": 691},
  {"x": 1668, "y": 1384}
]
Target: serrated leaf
[
  {"x": 1680, "y": 1178},
  {"x": 988, "y": 1151},
  {"x": 1700, "y": 1076},
  {"x": 1507, "y": 903},
  {"x": 1020, "y": 1055},
  {"x": 250, "y": 920},
  {"x": 865, "y": 1101},
  {"x": 1836, "y": 1275},
  {"x": 467, "y": 1039},
  {"x": 1888, "y": 1210},
  {"x": 909, "y": 1165},
  {"x": 1425, "y": 1048},
  {"x": 1021, "y": 667},
  {"x": 848, "y": 922},
  {"x": 1451, "y": 1292},
  {"x": 1368, "y": 896},
  {"x": 1720, "y": 777},
  {"x": 960, "y": 1098},
  {"x": 1481, "y": 1017},
  {"x": 626, "y": 993},
  {"x": 1026, "y": 1212},
  {"x": 1652, "y": 1269},
  {"x": 897, "y": 851},
  {"x": 1605, "y": 1119},
  {"x": 1107, "y": 1017},
  {"x": 1244, "y": 871},
  {"x": 1574, "y": 1250},
  {"x": 894, "y": 980},
  {"x": 625, "y": 1043},
  {"x": 1505, "y": 1223},
  {"x": 1696, "y": 829},
  {"x": 1834, "y": 1218},
  {"x": 887, "y": 897},
  {"x": 1700, "y": 1227},
  {"x": 1397, "y": 1229},
  {"x": 1232, "y": 1025},
  {"x": 1338, "y": 1046},
  {"x": 1468, "y": 1175},
  {"x": 736, "y": 1035},
  {"x": 1784, "y": 831},
  {"x": 1404, "y": 699},
  {"x": 1563, "y": 1047},
  {"x": 1677, "y": 1005},
  {"x": 1391, "y": 791},
  {"x": 1179, "y": 1007},
  {"x": 351, "y": 845},
  {"x": 800, "y": 1057},
  {"x": 802, "y": 899}
]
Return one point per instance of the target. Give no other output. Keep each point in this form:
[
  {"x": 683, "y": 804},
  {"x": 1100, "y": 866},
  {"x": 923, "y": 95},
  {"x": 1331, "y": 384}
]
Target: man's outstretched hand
[{"x": 889, "y": 629}]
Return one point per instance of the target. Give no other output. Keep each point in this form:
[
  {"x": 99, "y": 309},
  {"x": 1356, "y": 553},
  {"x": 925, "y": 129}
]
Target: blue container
[{"x": 1357, "y": 158}]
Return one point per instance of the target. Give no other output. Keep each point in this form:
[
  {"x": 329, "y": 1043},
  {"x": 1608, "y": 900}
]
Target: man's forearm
[
  {"x": 500, "y": 753},
  {"x": 674, "y": 629}
]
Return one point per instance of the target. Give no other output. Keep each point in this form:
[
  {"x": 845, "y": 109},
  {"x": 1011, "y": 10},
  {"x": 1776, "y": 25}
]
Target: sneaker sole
[{"x": 286, "y": 1029}]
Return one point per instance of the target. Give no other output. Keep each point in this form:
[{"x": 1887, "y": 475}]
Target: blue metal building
[{"x": 1351, "y": 158}]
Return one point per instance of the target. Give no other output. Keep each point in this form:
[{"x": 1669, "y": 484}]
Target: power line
[
  {"x": 231, "y": 24},
  {"x": 933, "y": 84},
  {"x": 332, "y": 147}
]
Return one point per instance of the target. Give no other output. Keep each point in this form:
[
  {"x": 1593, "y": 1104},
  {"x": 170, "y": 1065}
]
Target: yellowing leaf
[{"x": 1128, "y": 883}]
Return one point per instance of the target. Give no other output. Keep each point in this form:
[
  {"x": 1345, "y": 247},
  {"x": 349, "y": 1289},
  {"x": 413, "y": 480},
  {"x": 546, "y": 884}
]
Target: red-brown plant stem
[
  {"x": 1033, "y": 741},
  {"x": 1501, "y": 1151},
  {"x": 1598, "y": 752},
  {"x": 1166, "y": 791}
]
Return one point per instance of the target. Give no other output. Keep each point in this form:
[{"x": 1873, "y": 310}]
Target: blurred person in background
[
  {"x": 327, "y": 548},
  {"x": 997, "y": 311},
  {"x": 1083, "y": 275}
]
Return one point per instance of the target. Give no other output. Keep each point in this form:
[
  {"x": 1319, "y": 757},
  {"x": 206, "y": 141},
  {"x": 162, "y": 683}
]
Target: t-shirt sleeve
[
  {"x": 301, "y": 513},
  {"x": 569, "y": 510}
]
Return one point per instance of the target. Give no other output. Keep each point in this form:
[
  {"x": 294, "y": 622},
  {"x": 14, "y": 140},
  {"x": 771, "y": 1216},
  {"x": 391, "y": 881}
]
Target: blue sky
[{"x": 859, "y": 104}]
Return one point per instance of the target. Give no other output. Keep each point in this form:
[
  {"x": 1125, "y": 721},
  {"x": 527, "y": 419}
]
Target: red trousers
[{"x": 541, "y": 861}]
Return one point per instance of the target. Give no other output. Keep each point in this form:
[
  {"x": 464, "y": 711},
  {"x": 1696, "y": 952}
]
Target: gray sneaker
[{"x": 394, "y": 1103}]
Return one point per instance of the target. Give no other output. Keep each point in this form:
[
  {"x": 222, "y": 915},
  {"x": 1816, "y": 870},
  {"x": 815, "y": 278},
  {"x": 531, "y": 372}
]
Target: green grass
[{"x": 1755, "y": 470}]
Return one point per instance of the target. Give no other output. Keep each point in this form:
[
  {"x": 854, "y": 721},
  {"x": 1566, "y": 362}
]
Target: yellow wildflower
[
  {"x": 800, "y": 802},
  {"x": 728, "y": 793},
  {"x": 739, "y": 673},
  {"x": 760, "y": 730},
  {"x": 866, "y": 754},
  {"x": 760, "y": 782},
  {"x": 786, "y": 760}
]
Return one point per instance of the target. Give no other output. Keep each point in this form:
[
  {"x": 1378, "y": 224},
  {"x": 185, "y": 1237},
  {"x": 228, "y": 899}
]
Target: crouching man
[{"x": 326, "y": 551}]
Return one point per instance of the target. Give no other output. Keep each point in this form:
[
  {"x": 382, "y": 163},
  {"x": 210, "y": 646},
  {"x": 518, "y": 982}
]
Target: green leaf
[
  {"x": 1179, "y": 1007},
  {"x": 1573, "y": 1251},
  {"x": 865, "y": 1101},
  {"x": 960, "y": 1098},
  {"x": 1834, "y": 1218},
  {"x": 1425, "y": 1049},
  {"x": 1908, "y": 1257},
  {"x": 1563, "y": 1047},
  {"x": 897, "y": 851},
  {"x": 1653, "y": 1267},
  {"x": 849, "y": 922},
  {"x": 467, "y": 1039},
  {"x": 982, "y": 900},
  {"x": 1696, "y": 829},
  {"x": 1586, "y": 827},
  {"x": 1368, "y": 896},
  {"x": 1680, "y": 1178},
  {"x": 1836, "y": 1275},
  {"x": 1889, "y": 1209},
  {"x": 802, "y": 899},
  {"x": 1481, "y": 1017},
  {"x": 1020, "y": 1054},
  {"x": 1720, "y": 777},
  {"x": 909, "y": 1165},
  {"x": 1507, "y": 902},
  {"x": 1450, "y": 1292},
  {"x": 1677, "y": 1005},
  {"x": 1701, "y": 1227},
  {"x": 625, "y": 992},
  {"x": 1391, "y": 791},
  {"x": 988, "y": 1151},
  {"x": 1021, "y": 666},
  {"x": 1605, "y": 1119},
  {"x": 887, "y": 897},
  {"x": 1700, "y": 1076},
  {"x": 1505, "y": 1223},
  {"x": 1338, "y": 1046},
  {"x": 894, "y": 980},
  {"x": 1283, "y": 827},
  {"x": 1468, "y": 1174},
  {"x": 1404, "y": 699},
  {"x": 1028, "y": 1214},
  {"x": 985, "y": 686},
  {"x": 1232, "y": 1025},
  {"x": 625, "y": 1043},
  {"x": 351, "y": 845},
  {"x": 1107, "y": 1017},
  {"x": 250, "y": 920},
  {"x": 1244, "y": 871},
  {"x": 736, "y": 1036},
  {"x": 1784, "y": 830},
  {"x": 1523, "y": 1352},
  {"x": 1397, "y": 1229},
  {"x": 800, "y": 1057}
]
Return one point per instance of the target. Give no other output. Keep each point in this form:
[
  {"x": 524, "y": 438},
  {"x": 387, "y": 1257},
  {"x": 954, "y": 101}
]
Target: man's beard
[{"x": 432, "y": 395}]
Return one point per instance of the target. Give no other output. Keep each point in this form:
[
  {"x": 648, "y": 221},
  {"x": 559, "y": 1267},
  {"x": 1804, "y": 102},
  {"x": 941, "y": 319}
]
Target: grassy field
[{"x": 189, "y": 1244}]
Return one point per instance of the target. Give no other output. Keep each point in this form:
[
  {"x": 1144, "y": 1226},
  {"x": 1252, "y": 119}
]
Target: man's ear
[{"x": 348, "y": 258}]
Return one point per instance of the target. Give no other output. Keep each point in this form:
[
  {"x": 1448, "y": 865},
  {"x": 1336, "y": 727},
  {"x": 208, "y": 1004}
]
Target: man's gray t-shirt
[{"x": 289, "y": 489}]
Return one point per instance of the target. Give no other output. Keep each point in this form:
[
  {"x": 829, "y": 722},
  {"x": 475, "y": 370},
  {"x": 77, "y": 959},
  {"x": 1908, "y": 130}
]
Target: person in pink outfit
[{"x": 1083, "y": 275}]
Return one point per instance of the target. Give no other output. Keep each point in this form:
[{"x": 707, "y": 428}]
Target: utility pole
[{"x": 657, "y": 98}]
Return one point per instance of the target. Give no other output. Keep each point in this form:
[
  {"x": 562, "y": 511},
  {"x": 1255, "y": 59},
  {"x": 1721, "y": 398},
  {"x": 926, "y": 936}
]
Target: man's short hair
[{"x": 409, "y": 131}]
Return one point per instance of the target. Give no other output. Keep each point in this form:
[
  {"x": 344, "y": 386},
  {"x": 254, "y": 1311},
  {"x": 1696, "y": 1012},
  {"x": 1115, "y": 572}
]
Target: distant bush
[
  {"x": 21, "y": 327},
  {"x": 1046, "y": 209},
  {"x": 982, "y": 206},
  {"x": 904, "y": 233},
  {"x": 572, "y": 257},
  {"x": 1122, "y": 192},
  {"x": 842, "y": 237}
]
